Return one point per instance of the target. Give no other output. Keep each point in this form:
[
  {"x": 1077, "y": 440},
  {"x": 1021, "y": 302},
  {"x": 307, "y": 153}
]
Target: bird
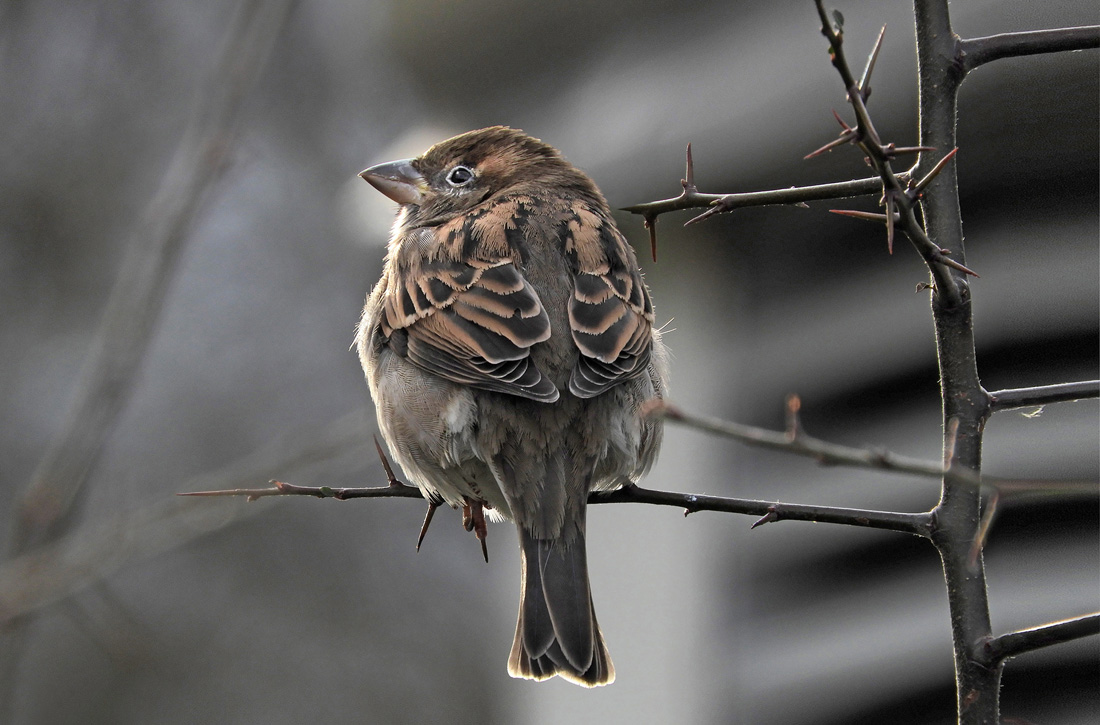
[{"x": 510, "y": 349}]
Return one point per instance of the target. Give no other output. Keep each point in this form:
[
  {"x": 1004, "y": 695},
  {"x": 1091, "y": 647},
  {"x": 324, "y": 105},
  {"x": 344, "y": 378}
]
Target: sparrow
[{"x": 508, "y": 346}]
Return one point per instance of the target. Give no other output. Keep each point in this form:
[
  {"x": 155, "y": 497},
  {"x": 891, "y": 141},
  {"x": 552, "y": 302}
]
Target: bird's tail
[{"x": 557, "y": 633}]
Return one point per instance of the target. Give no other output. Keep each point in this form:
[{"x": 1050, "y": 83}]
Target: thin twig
[
  {"x": 910, "y": 523},
  {"x": 913, "y": 523},
  {"x": 977, "y": 51},
  {"x": 1043, "y": 395},
  {"x": 834, "y": 454},
  {"x": 825, "y": 453},
  {"x": 999, "y": 649},
  {"x": 281, "y": 488}
]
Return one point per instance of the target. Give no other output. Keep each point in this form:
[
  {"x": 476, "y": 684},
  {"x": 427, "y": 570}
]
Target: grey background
[{"x": 305, "y": 610}]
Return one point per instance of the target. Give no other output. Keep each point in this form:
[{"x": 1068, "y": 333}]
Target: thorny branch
[
  {"x": 793, "y": 440},
  {"x": 899, "y": 192},
  {"x": 719, "y": 203},
  {"x": 900, "y": 200},
  {"x": 943, "y": 60},
  {"x": 912, "y": 523}
]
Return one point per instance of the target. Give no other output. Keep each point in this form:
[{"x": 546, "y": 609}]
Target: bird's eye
[{"x": 460, "y": 176}]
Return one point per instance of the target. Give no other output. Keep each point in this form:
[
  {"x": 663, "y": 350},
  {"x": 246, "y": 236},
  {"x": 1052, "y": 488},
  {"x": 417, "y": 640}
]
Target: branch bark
[
  {"x": 728, "y": 202},
  {"x": 1043, "y": 395},
  {"x": 957, "y": 517},
  {"x": 999, "y": 649},
  {"x": 979, "y": 51},
  {"x": 910, "y": 523}
]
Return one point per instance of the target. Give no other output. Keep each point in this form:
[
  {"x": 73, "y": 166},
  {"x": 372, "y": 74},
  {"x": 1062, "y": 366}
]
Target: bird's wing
[
  {"x": 610, "y": 312},
  {"x": 472, "y": 321}
]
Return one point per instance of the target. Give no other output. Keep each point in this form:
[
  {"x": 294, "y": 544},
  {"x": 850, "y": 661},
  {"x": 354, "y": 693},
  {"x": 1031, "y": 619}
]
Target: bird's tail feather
[{"x": 557, "y": 632}]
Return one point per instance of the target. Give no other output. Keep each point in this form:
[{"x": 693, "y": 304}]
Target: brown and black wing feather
[
  {"x": 610, "y": 312},
  {"x": 472, "y": 319},
  {"x": 472, "y": 323}
]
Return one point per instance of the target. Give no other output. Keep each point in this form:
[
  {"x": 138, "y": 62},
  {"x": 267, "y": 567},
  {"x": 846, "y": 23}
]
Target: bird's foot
[{"x": 473, "y": 519}]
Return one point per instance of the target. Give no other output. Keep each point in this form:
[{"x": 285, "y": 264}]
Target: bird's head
[{"x": 458, "y": 174}]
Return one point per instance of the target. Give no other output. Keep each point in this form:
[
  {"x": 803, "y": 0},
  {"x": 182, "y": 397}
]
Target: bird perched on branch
[{"x": 508, "y": 347}]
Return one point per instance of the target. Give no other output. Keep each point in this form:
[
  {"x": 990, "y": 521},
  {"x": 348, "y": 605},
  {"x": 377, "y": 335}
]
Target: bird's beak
[{"x": 398, "y": 180}]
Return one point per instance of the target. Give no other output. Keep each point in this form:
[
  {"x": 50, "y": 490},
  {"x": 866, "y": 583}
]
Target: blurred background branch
[
  {"x": 91, "y": 553},
  {"x": 129, "y": 321},
  {"x": 110, "y": 370}
]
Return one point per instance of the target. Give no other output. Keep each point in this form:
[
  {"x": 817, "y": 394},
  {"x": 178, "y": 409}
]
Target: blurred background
[{"x": 291, "y": 610}]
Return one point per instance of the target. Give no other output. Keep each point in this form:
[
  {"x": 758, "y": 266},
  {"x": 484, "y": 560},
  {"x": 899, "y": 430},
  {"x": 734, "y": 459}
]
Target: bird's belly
[{"x": 430, "y": 425}]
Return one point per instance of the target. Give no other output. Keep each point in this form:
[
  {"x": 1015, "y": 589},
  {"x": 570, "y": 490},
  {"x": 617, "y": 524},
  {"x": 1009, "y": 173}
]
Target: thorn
[
  {"x": 947, "y": 261},
  {"x": 922, "y": 286},
  {"x": 917, "y": 188},
  {"x": 717, "y": 207},
  {"x": 432, "y": 506},
  {"x": 901, "y": 150},
  {"x": 801, "y": 205},
  {"x": 840, "y": 120},
  {"x": 949, "y": 443},
  {"x": 845, "y": 137},
  {"x": 794, "y": 423},
  {"x": 473, "y": 519},
  {"x": 867, "y": 215},
  {"x": 386, "y": 464},
  {"x": 766, "y": 518},
  {"x": 889, "y": 224},
  {"x": 650, "y": 222},
  {"x": 865, "y": 81},
  {"x": 983, "y": 529},
  {"x": 689, "y": 173}
]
